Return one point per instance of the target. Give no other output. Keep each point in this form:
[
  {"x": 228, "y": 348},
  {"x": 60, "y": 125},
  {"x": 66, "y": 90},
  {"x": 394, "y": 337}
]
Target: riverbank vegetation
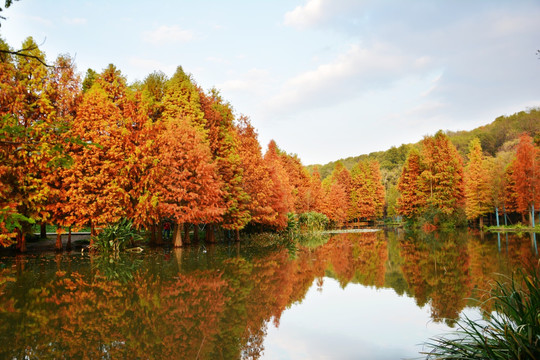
[
  {"x": 164, "y": 152},
  {"x": 510, "y": 331},
  {"x": 158, "y": 152},
  {"x": 487, "y": 175}
]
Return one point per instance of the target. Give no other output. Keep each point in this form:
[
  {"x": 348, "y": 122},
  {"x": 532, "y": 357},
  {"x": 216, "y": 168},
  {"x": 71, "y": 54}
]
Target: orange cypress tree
[
  {"x": 10, "y": 162},
  {"x": 337, "y": 190},
  {"x": 379, "y": 193},
  {"x": 367, "y": 191},
  {"x": 182, "y": 99},
  {"x": 477, "y": 194},
  {"x": 29, "y": 137},
  {"x": 64, "y": 93},
  {"x": 281, "y": 200},
  {"x": 336, "y": 202},
  {"x": 442, "y": 175},
  {"x": 497, "y": 175},
  {"x": 412, "y": 200},
  {"x": 361, "y": 202},
  {"x": 97, "y": 195},
  {"x": 526, "y": 177},
  {"x": 315, "y": 194},
  {"x": 141, "y": 160},
  {"x": 510, "y": 191},
  {"x": 188, "y": 185},
  {"x": 256, "y": 176},
  {"x": 299, "y": 180},
  {"x": 224, "y": 148}
]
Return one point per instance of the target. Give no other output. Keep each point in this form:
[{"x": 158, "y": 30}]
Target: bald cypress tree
[{"x": 477, "y": 192}]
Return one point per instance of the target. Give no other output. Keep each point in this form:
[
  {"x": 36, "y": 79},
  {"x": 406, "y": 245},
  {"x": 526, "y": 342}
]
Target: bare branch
[{"x": 21, "y": 53}]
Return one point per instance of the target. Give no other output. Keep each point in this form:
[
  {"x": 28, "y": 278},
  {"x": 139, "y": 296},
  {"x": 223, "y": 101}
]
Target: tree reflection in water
[{"x": 216, "y": 303}]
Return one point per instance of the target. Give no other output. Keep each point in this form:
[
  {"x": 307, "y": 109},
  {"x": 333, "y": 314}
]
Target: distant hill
[{"x": 502, "y": 133}]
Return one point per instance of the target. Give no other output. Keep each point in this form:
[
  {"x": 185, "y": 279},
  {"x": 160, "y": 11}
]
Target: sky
[{"x": 326, "y": 79}]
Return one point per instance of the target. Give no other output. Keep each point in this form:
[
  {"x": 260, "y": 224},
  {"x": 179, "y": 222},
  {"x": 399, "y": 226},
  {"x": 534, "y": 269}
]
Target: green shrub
[
  {"x": 292, "y": 223},
  {"x": 312, "y": 221},
  {"x": 435, "y": 218},
  {"x": 115, "y": 237}
]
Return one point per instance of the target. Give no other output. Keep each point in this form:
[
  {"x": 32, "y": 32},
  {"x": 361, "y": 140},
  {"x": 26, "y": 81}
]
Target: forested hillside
[{"x": 501, "y": 135}]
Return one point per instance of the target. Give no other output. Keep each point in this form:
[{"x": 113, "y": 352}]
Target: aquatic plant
[
  {"x": 115, "y": 237},
  {"x": 511, "y": 331},
  {"x": 312, "y": 221}
]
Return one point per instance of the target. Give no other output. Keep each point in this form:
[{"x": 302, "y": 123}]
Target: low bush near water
[{"x": 117, "y": 236}]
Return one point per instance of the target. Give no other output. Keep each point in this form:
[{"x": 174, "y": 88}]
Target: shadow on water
[{"x": 216, "y": 301}]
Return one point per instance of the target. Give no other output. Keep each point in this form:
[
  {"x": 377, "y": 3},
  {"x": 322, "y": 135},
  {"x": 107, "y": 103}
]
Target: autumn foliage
[{"x": 88, "y": 153}]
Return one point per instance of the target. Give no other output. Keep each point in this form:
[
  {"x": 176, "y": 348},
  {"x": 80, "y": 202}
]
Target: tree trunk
[
  {"x": 236, "y": 235},
  {"x": 21, "y": 241},
  {"x": 43, "y": 231},
  {"x": 58, "y": 245},
  {"x": 186, "y": 234},
  {"x": 68, "y": 245},
  {"x": 196, "y": 232},
  {"x": 92, "y": 233},
  {"x": 497, "y": 215},
  {"x": 177, "y": 235},
  {"x": 481, "y": 222},
  {"x": 159, "y": 233},
  {"x": 153, "y": 234},
  {"x": 210, "y": 254},
  {"x": 207, "y": 233},
  {"x": 210, "y": 237}
]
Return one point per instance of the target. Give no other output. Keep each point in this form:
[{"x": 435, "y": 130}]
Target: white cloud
[
  {"x": 307, "y": 15},
  {"x": 75, "y": 21},
  {"x": 315, "y": 12},
  {"x": 358, "y": 70},
  {"x": 166, "y": 34}
]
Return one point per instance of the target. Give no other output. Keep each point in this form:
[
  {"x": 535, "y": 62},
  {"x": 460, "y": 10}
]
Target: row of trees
[
  {"x": 436, "y": 183},
  {"x": 90, "y": 153}
]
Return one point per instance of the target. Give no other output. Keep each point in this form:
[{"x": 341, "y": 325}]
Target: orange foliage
[
  {"x": 224, "y": 149},
  {"x": 188, "y": 186},
  {"x": 367, "y": 191},
  {"x": 256, "y": 178},
  {"x": 281, "y": 198},
  {"x": 477, "y": 192},
  {"x": 337, "y": 190},
  {"x": 94, "y": 191},
  {"x": 527, "y": 174}
]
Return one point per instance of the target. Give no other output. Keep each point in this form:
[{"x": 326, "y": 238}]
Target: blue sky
[{"x": 326, "y": 79}]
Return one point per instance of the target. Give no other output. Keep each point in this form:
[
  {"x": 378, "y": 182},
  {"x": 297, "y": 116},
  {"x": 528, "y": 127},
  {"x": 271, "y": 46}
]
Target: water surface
[{"x": 346, "y": 296}]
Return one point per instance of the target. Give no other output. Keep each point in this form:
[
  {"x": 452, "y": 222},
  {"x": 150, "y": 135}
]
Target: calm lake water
[{"x": 347, "y": 296}]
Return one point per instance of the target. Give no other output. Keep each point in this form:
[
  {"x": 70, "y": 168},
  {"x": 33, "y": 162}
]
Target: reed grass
[{"x": 511, "y": 331}]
